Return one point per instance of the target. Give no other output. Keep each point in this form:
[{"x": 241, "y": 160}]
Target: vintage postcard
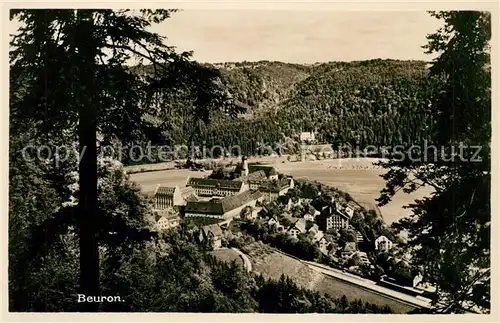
[{"x": 309, "y": 159}]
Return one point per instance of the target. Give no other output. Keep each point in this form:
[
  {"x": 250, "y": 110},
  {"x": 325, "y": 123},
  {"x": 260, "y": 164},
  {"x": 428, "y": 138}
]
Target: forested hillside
[{"x": 376, "y": 102}]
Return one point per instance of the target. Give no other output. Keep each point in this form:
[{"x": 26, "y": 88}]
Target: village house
[
  {"x": 363, "y": 258},
  {"x": 383, "y": 243},
  {"x": 255, "y": 212},
  {"x": 188, "y": 194},
  {"x": 359, "y": 237},
  {"x": 167, "y": 221},
  {"x": 166, "y": 218},
  {"x": 273, "y": 221},
  {"x": 323, "y": 244},
  {"x": 307, "y": 136},
  {"x": 215, "y": 187},
  {"x": 269, "y": 171},
  {"x": 271, "y": 190},
  {"x": 418, "y": 283},
  {"x": 349, "y": 250},
  {"x": 349, "y": 211},
  {"x": 298, "y": 227},
  {"x": 225, "y": 208},
  {"x": 211, "y": 235},
  {"x": 165, "y": 197},
  {"x": 308, "y": 217},
  {"x": 333, "y": 218},
  {"x": 315, "y": 233}
]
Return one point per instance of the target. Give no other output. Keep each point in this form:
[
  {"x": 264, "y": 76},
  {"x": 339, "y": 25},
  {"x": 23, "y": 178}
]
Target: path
[{"x": 246, "y": 261}]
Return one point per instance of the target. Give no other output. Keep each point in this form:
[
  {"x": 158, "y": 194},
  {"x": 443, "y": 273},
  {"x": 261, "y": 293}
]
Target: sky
[{"x": 299, "y": 36}]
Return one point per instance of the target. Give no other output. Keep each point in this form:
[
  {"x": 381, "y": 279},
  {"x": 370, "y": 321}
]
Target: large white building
[
  {"x": 215, "y": 187},
  {"x": 165, "y": 197},
  {"x": 334, "y": 217},
  {"x": 224, "y": 208}
]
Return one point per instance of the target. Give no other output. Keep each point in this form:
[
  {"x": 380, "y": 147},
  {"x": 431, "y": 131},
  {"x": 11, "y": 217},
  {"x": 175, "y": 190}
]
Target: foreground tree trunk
[{"x": 87, "y": 97}]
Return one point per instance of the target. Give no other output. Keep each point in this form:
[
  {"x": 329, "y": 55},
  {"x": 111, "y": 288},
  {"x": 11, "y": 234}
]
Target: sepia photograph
[{"x": 185, "y": 160}]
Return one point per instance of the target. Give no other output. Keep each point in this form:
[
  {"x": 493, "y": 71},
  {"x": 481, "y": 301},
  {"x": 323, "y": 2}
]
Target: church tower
[{"x": 244, "y": 168}]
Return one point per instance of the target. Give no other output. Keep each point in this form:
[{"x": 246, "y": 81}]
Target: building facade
[
  {"x": 167, "y": 222},
  {"x": 297, "y": 228},
  {"x": 307, "y": 136},
  {"x": 211, "y": 235},
  {"x": 165, "y": 197},
  {"x": 383, "y": 243},
  {"x": 215, "y": 187},
  {"x": 225, "y": 208}
]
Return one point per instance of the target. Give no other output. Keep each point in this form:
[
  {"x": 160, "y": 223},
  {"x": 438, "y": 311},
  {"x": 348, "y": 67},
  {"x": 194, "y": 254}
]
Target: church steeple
[{"x": 244, "y": 168}]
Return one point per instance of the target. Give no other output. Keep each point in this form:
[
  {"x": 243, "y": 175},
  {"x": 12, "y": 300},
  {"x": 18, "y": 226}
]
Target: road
[
  {"x": 368, "y": 284},
  {"x": 246, "y": 261}
]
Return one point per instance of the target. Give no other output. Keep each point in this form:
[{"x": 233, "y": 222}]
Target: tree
[
  {"x": 69, "y": 73},
  {"x": 347, "y": 235},
  {"x": 450, "y": 230}
]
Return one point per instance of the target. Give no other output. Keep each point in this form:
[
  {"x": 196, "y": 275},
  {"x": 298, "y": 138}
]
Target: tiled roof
[
  {"x": 224, "y": 205},
  {"x": 214, "y": 228},
  {"x": 300, "y": 224},
  {"x": 165, "y": 190},
  {"x": 210, "y": 182},
  {"x": 168, "y": 213},
  {"x": 272, "y": 186},
  {"x": 268, "y": 170},
  {"x": 232, "y": 202},
  {"x": 350, "y": 246},
  {"x": 260, "y": 174},
  {"x": 191, "y": 198},
  {"x": 204, "y": 208},
  {"x": 187, "y": 190},
  {"x": 314, "y": 229},
  {"x": 169, "y": 217}
]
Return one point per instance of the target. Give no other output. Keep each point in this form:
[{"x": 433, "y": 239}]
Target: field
[
  {"x": 175, "y": 177},
  {"x": 271, "y": 264},
  {"x": 227, "y": 255},
  {"x": 357, "y": 177}
]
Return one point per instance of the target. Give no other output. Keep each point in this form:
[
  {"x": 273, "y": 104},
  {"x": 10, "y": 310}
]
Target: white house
[
  {"x": 307, "y": 136},
  {"x": 349, "y": 211},
  {"x": 298, "y": 227},
  {"x": 383, "y": 243},
  {"x": 419, "y": 284},
  {"x": 363, "y": 257},
  {"x": 359, "y": 237},
  {"x": 212, "y": 235},
  {"x": 349, "y": 250},
  {"x": 308, "y": 217},
  {"x": 167, "y": 221},
  {"x": 323, "y": 243}
]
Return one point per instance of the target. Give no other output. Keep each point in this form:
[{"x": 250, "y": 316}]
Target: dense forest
[
  {"x": 77, "y": 224},
  {"x": 356, "y": 104}
]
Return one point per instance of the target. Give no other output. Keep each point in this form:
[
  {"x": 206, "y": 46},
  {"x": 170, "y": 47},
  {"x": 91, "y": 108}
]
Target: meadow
[{"x": 358, "y": 177}]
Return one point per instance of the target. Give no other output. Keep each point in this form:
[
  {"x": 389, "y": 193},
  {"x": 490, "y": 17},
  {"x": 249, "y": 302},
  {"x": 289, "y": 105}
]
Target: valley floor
[{"x": 358, "y": 177}]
